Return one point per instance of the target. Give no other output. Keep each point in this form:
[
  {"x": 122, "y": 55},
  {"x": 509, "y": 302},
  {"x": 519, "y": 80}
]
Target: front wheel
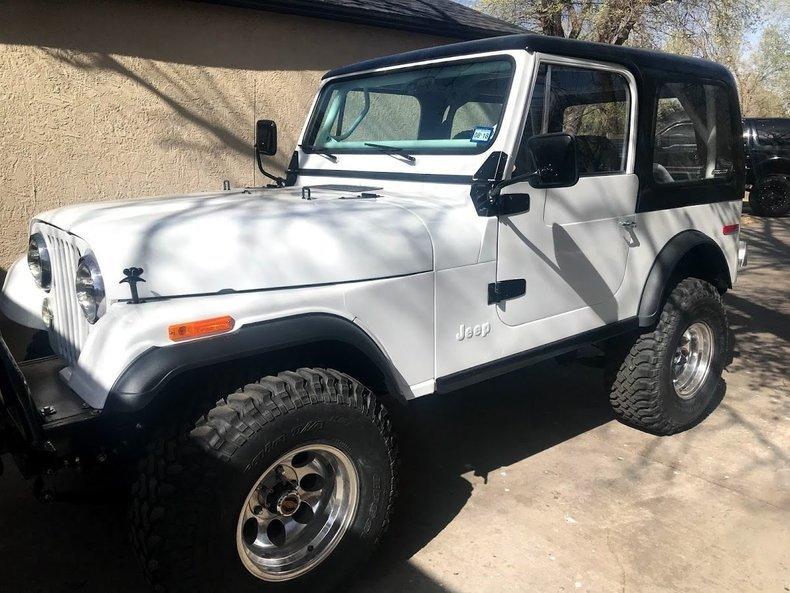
[
  {"x": 669, "y": 379},
  {"x": 286, "y": 485}
]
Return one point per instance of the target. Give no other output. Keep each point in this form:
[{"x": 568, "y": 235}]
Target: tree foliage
[{"x": 728, "y": 31}]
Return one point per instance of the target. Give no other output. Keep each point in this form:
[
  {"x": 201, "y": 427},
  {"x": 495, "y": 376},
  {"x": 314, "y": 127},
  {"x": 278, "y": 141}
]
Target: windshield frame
[{"x": 480, "y": 148}]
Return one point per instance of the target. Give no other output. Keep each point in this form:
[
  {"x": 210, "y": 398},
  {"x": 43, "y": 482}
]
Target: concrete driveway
[{"x": 527, "y": 484}]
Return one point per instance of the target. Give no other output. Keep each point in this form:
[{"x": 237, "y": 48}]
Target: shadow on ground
[
  {"x": 474, "y": 433},
  {"x": 444, "y": 441}
]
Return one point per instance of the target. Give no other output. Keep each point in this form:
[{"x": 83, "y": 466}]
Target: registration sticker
[{"x": 482, "y": 134}]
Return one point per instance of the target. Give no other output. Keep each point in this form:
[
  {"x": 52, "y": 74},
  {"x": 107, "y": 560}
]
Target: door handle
[{"x": 626, "y": 223}]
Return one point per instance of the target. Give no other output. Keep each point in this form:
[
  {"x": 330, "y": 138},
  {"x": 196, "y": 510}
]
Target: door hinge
[{"x": 506, "y": 289}]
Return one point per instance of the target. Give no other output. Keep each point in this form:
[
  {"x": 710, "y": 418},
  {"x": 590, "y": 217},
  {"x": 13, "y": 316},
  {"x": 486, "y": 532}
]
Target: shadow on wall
[{"x": 230, "y": 137}]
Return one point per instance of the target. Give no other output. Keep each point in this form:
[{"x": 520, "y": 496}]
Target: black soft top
[{"x": 635, "y": 60}]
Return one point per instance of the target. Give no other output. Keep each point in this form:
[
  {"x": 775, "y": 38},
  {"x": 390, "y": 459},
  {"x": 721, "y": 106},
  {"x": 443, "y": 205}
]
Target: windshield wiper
[
  {"x": 393, "y": 151},
  {"x": 322, "y": 151}
]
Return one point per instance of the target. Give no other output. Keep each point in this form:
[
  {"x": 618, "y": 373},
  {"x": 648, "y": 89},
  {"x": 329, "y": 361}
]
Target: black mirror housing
[
  {"x": 556, "y": 160},
  {"x": 266, "y": 137}
]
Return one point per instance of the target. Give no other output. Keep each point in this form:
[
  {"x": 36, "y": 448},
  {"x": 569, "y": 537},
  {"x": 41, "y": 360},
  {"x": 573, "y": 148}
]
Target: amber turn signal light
[{"x": 198, "y": 329}]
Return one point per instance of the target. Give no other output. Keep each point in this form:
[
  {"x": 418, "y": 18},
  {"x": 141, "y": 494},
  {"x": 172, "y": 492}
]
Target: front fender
[
  {"x": 21, "y": 298},
  {"x": 150, "y": 372}
]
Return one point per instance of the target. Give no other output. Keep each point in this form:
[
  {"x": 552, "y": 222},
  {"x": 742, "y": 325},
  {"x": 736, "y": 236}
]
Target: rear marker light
[
  {"x": 730, "y": 229},
  {"x": 198, "y": 329}
]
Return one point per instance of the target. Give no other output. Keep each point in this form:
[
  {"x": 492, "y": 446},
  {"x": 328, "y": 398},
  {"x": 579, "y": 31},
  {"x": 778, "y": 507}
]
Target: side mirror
[
  {"x": 266, "y": 137},
  {"x": 556, "y": 163},
  {"x": 556, "y": 160}
]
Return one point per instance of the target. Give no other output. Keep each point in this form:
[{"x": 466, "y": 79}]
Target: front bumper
[{"x": 37, "y": 411}]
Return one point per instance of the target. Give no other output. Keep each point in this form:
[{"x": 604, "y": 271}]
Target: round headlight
[
  {"x": 38, "y": 261},
  {"x": 90, "y": 288}
]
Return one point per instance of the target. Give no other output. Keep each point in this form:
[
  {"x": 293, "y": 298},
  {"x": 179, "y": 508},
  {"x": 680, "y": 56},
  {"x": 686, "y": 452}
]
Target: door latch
[{"x": 627, "y": 223}]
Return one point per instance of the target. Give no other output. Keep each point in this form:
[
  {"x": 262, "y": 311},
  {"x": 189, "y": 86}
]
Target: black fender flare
[
  {"x": 664, "y": 267},
  {"x": 772, "y": 166},
  {"x": 148, "y": 374}
]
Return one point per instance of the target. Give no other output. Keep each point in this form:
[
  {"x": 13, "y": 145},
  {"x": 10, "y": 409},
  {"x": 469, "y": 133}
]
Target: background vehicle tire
[
  {"x": 670, "y": 378},
  {"x": 771, "y": 196},
  {"x": 202, "y": 493}
]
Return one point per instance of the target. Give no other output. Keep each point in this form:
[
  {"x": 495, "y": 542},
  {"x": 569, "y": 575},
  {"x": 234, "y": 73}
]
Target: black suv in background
[{"x": 768, "y": 165}]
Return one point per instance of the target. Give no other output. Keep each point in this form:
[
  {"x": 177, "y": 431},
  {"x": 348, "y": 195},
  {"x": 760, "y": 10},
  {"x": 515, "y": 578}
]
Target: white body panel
[
  {"x": 410, "y": 267},
  {"x": 127, "y": 330},
  {"x": 578, "y": 256},
  {"x": 247, "y": 240},
  {"x": 21, "y": 299},
  {"x": 456, "y": 305}
]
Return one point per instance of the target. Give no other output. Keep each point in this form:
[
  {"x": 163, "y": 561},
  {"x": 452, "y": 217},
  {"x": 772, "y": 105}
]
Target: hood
[{"x": 248, "y": 240}]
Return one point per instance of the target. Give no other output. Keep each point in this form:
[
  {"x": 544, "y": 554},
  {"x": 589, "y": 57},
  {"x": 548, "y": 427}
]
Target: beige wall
[{"x": 118, "y": 98}]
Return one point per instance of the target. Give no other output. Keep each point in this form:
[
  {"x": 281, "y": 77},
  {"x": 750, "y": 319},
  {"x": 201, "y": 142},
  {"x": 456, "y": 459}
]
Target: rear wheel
[
  {"x": 771, "y": 196},
  {"x": 669, "y": 379},
  {"x": 286, "y": 485}
]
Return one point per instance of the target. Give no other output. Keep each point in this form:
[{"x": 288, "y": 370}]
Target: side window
[
  {"x": 594, "y": 105},
  {"x": 693, "y": 138}
]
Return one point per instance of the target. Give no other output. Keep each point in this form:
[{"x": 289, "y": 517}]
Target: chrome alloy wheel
[
  {"x": 692, "y": 359},
  {"x": 297, "y": 512}
]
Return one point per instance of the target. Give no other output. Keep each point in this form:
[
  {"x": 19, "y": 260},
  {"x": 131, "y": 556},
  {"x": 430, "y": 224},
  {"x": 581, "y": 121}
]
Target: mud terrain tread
[
  {"x": 635, "y": 392},
  {"x": 174, "y": 460}
]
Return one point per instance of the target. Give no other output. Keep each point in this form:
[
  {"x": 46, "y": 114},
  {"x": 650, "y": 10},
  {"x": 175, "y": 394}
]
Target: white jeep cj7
[{"x": 450, "y": 214}]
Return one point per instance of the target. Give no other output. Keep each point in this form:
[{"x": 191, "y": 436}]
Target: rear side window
[{"x": 693, "y": 140}]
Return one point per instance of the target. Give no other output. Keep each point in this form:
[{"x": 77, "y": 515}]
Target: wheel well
[
  {"x": 253, "y": 351},
  {"x": 706, "y": 262},
  {"x": 206, "y": 384},
  {"x": 775, "y": 166},
  {"x": 690, "y": 254}
]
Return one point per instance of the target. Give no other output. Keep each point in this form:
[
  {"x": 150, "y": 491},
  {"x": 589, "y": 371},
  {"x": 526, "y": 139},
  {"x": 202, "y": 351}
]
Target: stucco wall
[{"x": 118, "y": 98}]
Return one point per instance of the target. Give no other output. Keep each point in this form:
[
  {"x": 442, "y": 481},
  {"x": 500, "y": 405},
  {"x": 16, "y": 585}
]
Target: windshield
[{"x": 453, "y": 108}]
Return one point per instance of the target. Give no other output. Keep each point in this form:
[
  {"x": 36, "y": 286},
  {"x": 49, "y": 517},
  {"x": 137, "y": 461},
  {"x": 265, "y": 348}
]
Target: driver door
[{"x": 571, "y": 248}]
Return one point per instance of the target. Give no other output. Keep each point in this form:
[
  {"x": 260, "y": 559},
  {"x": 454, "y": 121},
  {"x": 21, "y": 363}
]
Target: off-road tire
[
  {"x": 771, "y": 196},
  {"x": 193, "y": 483},
  {"x": 642, "y": 393}
]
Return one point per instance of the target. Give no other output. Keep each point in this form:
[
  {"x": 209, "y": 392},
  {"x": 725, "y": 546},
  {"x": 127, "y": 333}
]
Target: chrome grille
[{"x": 69, "y": 327}]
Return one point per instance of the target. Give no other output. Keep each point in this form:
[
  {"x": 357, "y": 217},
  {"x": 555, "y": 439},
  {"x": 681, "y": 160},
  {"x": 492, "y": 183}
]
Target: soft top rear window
[
  {"x": 694, "y": 137},
  {"x": 452, "y": 108}
]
